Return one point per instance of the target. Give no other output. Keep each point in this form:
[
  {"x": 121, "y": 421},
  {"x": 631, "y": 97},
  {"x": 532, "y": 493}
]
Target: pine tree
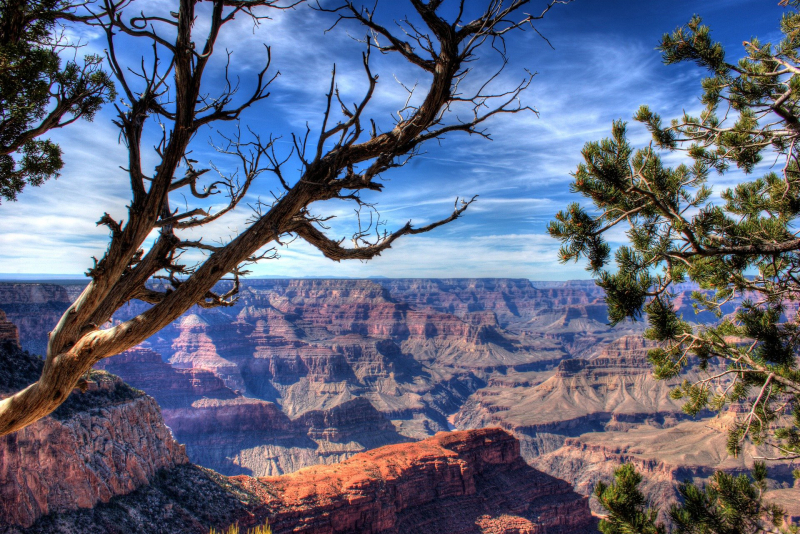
[
  {"x": 37, "y": 93},
  {"x": 742, "y": 249},
  {"x": 628, "y": 509},
  {"x": 728, "y": 504}
]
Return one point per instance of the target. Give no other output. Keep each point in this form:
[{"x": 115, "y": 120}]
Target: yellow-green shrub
[{"x": 234, "y": 529}]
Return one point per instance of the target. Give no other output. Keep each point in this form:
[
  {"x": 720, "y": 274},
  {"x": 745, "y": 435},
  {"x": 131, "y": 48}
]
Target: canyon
[
  {"x": 306, "y": 372},
  {"x": 301, "y": 372},
  {"x": 105, "y": 462}
]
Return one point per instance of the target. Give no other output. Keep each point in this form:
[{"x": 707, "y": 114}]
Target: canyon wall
[
  {"x": 244, "y": 435},
  {"x": 103, "y": 442},
  {"x": 614, "y": 390},
  {"x": 104, "y": 462},
  {"x": 330, "y": 368},
  {"x": 689, "y": 450},
  {"x": 36, "y": 308},
  {"x": 461, "y": 483},
  {"x": 305, "y": 372},
  {"x": 8, "y": 330}
]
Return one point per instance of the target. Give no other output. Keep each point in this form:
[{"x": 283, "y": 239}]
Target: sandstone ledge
[{"x": 461, "y": 482}]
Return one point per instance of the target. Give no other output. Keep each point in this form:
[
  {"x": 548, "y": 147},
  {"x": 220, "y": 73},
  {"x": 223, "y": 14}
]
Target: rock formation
[
  {"x": 239, "y": 435},
  {"x": 173, "y": 387},
  {"x": 8, "y": 330},
  {"x": 303, "y": 372},
  {"x": 35, "y": 309},
  {"x": 690, "y": 450},
  {"x": 614, "y": 390},
  {"x": 570, "y": 314},
  {"x": 101, "y": 443},
  {"x": 306, "y": 350},
  {"x": 426, "y": 355},
  {"x": 459, "y": 483}
]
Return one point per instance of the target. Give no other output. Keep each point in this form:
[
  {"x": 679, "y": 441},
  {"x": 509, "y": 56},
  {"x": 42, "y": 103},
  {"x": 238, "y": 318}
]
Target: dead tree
[{"x": 167, "y": 90}]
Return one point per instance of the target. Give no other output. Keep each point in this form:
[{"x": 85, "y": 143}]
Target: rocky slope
[
  {"x": 515, "y": 302},
  {"x": 301, "y": 372},
  {"x": 176, "y": 388},
  {"x": 36, "y": 308},
  {"x": 106, "y": 441},
  {"x": 572, "y": 315},
  {"x": 614, "y": 390},
  {"x": 334, "y": 367},
  {"x": 462, "y": 482},
  {"x": 307, "y": 353},
  {"x": 105, "y": 462},
  {"x": 665, "y": 456},
  {"x": 458, "y": 482},
  {"x": 240, "y": 435}
]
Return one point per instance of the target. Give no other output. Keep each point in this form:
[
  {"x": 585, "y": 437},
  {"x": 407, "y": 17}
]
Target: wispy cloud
[{"x": 604, "y": 66}]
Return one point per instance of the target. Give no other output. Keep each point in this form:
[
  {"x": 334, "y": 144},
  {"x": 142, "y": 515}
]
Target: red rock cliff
[
  {"x": 460, "y": 482},
  {"x": 104, "y": 442},
  {"x": 456, "y": 483}
]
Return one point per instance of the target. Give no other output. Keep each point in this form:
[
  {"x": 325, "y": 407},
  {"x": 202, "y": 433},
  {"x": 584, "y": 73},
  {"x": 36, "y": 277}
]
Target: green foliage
[
  {"x": 37, "y": 93},
  {"x": 728, "y": 504},
  {"x": 234, "y": 529},
  {"x": 628, "y": 510},
  {"x": 743, "y": 250}
]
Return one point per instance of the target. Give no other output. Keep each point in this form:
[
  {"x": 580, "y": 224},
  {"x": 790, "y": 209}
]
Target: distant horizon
[{"x": 43, "y": 277}]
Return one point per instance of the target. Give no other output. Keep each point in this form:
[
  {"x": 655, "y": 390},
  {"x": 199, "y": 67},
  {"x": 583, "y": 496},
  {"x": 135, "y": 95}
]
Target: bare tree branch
[
  {"x": 333, "y": 250},
  {"x": 167, "y": 92}
]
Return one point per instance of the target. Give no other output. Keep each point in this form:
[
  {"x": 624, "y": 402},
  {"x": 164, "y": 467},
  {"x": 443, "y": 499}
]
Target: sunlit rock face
[
  {"x": 471, "y": 482},
  {"x": 306, "y": 372},
  {"x": 101, "y": 443},
  {"x": 460, "y": 482},
  {"x": 301, "y": 372},
  {"x": 328, "y": 368},
  {"x": 614, "y": 389}
]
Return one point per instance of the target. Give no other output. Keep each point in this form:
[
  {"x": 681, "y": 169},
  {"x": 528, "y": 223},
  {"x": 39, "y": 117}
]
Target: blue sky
[{"x": 603, "y": 67}]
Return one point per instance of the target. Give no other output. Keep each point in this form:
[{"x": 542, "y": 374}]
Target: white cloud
[{"x": 522, "y": 177}]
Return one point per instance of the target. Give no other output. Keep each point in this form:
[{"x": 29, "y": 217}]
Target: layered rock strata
[
  {"x": 101, "y": 443},
  {"x": 690, "y": 450},
  {"x": 301, "y": 372},
  {"x": 36, "y": 308},
  {"x": 240, "y": 435},
  {"x": 8, "y": 330},
  {"x": 172, "y": 387},
  {"x": 613, "y": 391},
  {"x": 459, "y": 483},
  {"x": 330, "y": 368}
]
